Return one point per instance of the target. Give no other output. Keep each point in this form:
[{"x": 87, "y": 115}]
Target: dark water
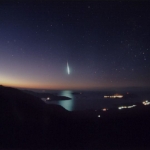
[{"x": 95, "y": 100}]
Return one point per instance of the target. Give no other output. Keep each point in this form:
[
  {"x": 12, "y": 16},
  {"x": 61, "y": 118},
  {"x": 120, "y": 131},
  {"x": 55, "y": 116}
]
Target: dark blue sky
[{"x": 105, "y": 43}]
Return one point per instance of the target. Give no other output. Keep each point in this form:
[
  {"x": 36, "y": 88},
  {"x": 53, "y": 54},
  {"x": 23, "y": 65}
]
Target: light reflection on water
[
  {"x": 67, "y": 104},
  {"x": 92, "y": 100}
]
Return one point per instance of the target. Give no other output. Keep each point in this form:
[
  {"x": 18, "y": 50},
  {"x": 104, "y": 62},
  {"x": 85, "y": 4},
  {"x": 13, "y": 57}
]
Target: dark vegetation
[{"x": 27, "y": 122}]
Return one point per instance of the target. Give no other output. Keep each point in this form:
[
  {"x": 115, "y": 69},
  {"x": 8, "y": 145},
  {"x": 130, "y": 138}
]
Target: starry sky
[{"x": 106, "y": 44}]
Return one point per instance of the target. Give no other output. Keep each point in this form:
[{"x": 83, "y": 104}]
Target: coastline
[{"x": 27, "y": 122}]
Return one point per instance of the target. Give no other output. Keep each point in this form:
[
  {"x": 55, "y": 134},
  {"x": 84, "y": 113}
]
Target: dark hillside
[
  {"x": 24, "y": 118},
  {"x": 27, "y": 122}
]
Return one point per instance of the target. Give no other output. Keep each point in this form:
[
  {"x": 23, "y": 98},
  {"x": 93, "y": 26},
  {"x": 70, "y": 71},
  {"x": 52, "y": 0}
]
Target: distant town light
[
  {"x": 114, "y": 96},
  {"x": 123, "y": 107},
  {"x": 48, "y": 98},
  {"x": 104, "y": 109},
  {"x": 146, "y": 102},
  {"x": 131, "y": 106},
  {"x": 99, "y": 116}
]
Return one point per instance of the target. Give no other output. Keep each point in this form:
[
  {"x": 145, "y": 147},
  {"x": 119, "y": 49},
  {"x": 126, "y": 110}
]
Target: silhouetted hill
[
  {"x": 24, "y": 102},
  {"x": 27, "y": 122},
  {"x": 23, "y": 115}
]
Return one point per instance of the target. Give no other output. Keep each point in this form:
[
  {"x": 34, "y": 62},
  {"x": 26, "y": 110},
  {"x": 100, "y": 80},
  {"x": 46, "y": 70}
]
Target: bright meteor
[{"x": 68, "y": 70}]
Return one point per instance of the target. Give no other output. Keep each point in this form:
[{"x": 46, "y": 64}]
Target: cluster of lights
[
  {"x": 122, "y": 107},
  {"x": 114, "y": 96},
  {"x": 146, "y": 102}
]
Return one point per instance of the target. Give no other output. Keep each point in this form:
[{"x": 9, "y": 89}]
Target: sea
[{"x": 94, "y": 100}]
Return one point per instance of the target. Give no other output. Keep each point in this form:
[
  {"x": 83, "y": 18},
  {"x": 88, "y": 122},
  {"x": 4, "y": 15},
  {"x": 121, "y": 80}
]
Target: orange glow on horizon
[{"x": 42, "y": 86}]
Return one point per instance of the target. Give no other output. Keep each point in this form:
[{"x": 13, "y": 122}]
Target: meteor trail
[{"x": 68, "y": 70}]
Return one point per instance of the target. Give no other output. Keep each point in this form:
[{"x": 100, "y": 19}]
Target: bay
[{"x": 94, "y": 100}]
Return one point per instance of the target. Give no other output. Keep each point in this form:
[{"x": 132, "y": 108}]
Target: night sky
[{"x": 106, "y": 44}]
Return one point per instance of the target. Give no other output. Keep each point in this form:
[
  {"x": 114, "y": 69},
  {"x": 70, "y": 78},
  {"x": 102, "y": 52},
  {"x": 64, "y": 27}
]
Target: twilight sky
[{"x": 106, "y": 44}]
